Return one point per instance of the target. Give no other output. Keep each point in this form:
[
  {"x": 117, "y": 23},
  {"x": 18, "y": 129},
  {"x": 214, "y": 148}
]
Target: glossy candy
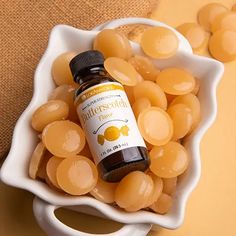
[
  {"x": 51, "y": 170},
  {"x": 169, "y": 160},
  {"x": 159, "y": 42},
  {"x": 156, "y": 126},
  {"x": 157, "y": 189},
  {"x": 182, "y": 120},
  {"x": 152, "y": 92},
  {"x": 163, "y": 204},
  {"x": 36, "y": 160},
  {"x": 132, "y": 189},
  {"x": 77, "y": 175},
  {"x": 104, "y": 191},
  {"x": 169, "y": 185},
  {"x": 60, "y": 69},
  {"x": 222, "y": 45},
  {"x": 192, "y": 102},
  {"x": 63, "y": 138},
  {"x": 225, "y": 21},
  {"x": 139, "y": 105},
  {"x": 175, "y": 81},
  {"x": 195, "y": 34},
  {"x": 121, "y": 71},
  {"x": 42, "y": 173},
  {"x": 112, "y": 44},
  {"x": 144, "y": 67},
  {"x": 66, "y": 93},
  {"x": 51, "y": 111},
  {"x": 208, "y": 14}
]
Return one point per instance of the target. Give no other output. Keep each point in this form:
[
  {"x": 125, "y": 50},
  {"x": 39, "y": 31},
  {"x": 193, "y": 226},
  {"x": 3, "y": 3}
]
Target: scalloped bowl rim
[{"x": 16, "y": 175}]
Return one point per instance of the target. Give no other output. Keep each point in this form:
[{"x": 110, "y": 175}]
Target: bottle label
[{"x": 108, "y": 120}]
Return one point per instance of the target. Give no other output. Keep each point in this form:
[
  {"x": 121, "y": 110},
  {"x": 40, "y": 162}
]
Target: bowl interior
[{"x": 65, "y": 38}]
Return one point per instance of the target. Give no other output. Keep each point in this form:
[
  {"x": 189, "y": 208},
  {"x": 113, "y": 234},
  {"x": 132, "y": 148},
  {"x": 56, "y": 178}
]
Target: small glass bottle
[{"x": 107, "y": 119}]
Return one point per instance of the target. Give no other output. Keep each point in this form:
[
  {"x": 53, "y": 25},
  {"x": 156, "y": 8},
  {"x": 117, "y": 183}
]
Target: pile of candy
[
  {"x": 216, "y": 28},
  {"x": 166, "y": 108}
]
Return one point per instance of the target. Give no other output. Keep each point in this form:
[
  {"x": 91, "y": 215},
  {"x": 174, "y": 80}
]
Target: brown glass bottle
[{"x": 101, "y": 97}]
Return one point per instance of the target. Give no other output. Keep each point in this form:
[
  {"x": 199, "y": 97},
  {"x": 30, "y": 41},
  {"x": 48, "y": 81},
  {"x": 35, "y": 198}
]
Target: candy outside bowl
[{"x": 14, "y": 171}]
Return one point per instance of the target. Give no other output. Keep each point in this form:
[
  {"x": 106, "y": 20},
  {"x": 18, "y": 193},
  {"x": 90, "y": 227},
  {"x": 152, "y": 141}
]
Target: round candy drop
[
  {"x": 60, "y": 69},
  {"x": 159, "y": 42},
  {"x": 51, "y": 111},
  {"x": 77, "y": 175},
  {"x": 63, "y": 138}
]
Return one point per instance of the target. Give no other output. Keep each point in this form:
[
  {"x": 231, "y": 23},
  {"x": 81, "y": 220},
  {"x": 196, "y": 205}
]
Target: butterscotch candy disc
[
  {"x": 132, "y": 189},
  {"x": 157, "y": 189},
  {"x": 121, "y": 71},
  {"x": 192, "y": 102},
  {"x": 147, "y": 194},
  {"x": 155, "y": 126},
  {"x": 208, "y": 13},
  {"x": 144, "y": 67},
  {"x": 63, "y": 138},
  {"x": 42, "y": 173},
  {"x": 182, "y": 120},
  {"x": 112, "y": 43},
  {"x": 66, "y": 93},
  {"x": 175, "y": 81},
  {"x": 195, "y": 35},
  {"x": 222, "y": 45},
  {"x": 169, "y": 185},
  {"x": 51, "y": 170},
  {"x": 104, "y": 191},
  {"x": 159, "y": 42},
  {"x": 225, "y": 21},
  {"x": 51, "y": 111},
  {"x": 163, "y": 204},
  {"x": 60, "y": 69},
  {"x": 36, "y": 159},
  {"x": 77, "y": 175},
  {"x": 139, "y": 105},
  {"x": 152, "y": 92},
  {"x": 169, "y": 160}
]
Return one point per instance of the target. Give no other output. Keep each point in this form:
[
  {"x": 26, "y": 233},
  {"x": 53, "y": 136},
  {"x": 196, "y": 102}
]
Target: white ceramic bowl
[{"x": 65, "y": 38}]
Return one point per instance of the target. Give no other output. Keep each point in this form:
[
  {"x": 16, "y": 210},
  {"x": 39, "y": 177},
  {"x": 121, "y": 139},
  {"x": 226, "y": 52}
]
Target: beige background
[{"x": 211, "y": 210}]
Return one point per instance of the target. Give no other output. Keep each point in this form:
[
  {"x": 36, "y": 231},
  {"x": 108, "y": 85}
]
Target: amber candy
[
  {"x": 51, "y": 111},
  {"x": 182, "y": 120},
  {"x": 77, "y": 175},
  {"x": 222, "y": 45},
  {"x": 121, "y": 71},
  {"x": 175, "y": 81},
  {"x": 60, "y": 69},
  {"x": 104, "y": 191},
  {"x": 66, "y": 93},
  {"x": 159, "y": 42},
  {"x": 152, "y": 92},
  {"x": 155, "y": 125},
  {"x": 63, "y": 138},
  {"x": 208, "y": 13},
  {"x": 112, "y": 43},
  {"x": 195, "y": 35},
  {"x": 169, "y": 160},
  {"x": 144, "y": 67}
]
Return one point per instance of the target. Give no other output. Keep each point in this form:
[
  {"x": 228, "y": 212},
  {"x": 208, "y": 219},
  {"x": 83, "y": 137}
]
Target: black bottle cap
[{"x": 85, "y": 60}]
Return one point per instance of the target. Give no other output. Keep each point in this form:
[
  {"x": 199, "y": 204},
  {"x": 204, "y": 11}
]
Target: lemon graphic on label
[
  {"x": 112, "y": 133},
  {"x": 124, "y": 130},
  {"x": 101, "y": 139}
]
